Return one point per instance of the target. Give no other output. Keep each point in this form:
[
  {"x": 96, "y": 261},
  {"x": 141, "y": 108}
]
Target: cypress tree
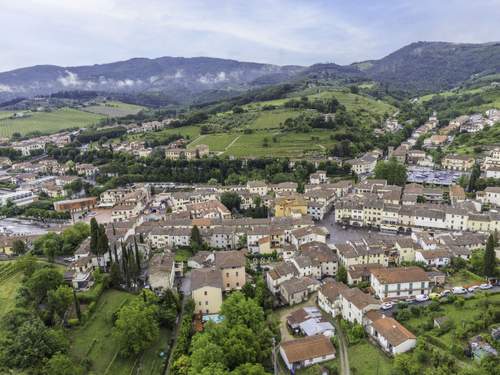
[
  {"x": 137, "y": 257},
  {"x": 116, "y": 253},
  {"x": 94, "y": 236},
  {"x": 141, "y": 238},
  {"x": 489, "y": 259}
]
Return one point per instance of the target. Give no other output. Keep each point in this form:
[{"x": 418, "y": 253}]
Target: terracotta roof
[
  {"x": 358, "y": 298},
  {"x": 392, "y": 330},
  {"x": 205, "y": 277},
  {"x": 331, "y": 290},
  {"x": 229, "y": 259},
  {"x": 400, "y": 275},
  {"x": 307, "y": 348}
]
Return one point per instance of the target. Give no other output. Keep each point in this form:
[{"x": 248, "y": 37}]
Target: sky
[{"x": 284, "y": 32}]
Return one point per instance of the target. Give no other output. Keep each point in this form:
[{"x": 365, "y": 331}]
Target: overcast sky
[{"x": 81, "y": 32}]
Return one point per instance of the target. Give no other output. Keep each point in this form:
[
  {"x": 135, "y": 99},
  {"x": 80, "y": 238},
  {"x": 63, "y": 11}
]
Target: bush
[
  {"x": 73, "y": 322},
  {"x": 94, "y": 293}
]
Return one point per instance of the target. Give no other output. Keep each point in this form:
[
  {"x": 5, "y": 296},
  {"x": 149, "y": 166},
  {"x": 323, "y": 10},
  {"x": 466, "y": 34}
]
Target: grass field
[
  {"x": 48, "y": 122},
  {"x": 367, "y": 359},
  {"x": 216, "y": 142},
  {"x": 271, "y": 119},
  {"x": 94, "y": 341},
  {"x": 5, "y": 114},
  {"x": 114, "y": 109},
  {"x": 10, "y": 280},
  {"x": 463, "y": 278},
  {"x": 352, "y": 102}
]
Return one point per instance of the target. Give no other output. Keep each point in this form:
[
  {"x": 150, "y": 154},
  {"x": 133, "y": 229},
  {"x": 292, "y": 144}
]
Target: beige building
[
  {"x": 197, "y": 152},
  {"x": 458, "y": 162},
  {"x": 232, "y": 268},
  {"x": 161, "y": 272},
  {"x": 206, "y": 290}
]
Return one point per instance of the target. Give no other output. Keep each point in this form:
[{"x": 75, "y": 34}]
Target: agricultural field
[
  {"x": 114, "y": 109},
  {"x": 94, "y": 341},
  {"x": 48, "y": 122},
  {"x": 5, "y": 114}
]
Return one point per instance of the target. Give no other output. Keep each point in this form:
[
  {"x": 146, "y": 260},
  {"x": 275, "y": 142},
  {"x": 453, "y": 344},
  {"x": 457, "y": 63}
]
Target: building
[
  {"x": 206, "y": 290},
  {"x": 19, "y": 197},
  {"x": 293, "y": 205},
  {"x": 392, "y": 337},
  {"x": 197, "y": 152},
  {"x": 455, "y": 162},
  {"x": 399, "y": 283},
  {"x": 231, "y": 264},
  {"x": 306, "y": 351},
  {"x": 161, "y": 272},
  {"x": 75, "y": 205}
]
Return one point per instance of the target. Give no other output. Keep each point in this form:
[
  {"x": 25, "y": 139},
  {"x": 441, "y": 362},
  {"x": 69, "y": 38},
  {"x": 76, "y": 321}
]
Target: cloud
[
  {"x": 5, "y": 88},
  {"x": 274, "y": 31},
  {"x": 70, "y": 80}
]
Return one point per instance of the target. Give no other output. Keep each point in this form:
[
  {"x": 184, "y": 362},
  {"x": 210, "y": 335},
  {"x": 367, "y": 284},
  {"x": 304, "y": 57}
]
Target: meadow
[
  {"x": 94, "y": 341},
  {"x": 48, "y": 122},
  {"x": 114, "y": 109}
]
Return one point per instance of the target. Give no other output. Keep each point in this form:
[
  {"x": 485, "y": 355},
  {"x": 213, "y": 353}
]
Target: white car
[
  {"x": 386, "y": 306},
  {"x": 485, "y": 286},
  {"x": 473, "y": 288},
  {"x": 422, "y": 298},
  {"x": 458, "y": 290},
  {"x": 446, "y": 292}
]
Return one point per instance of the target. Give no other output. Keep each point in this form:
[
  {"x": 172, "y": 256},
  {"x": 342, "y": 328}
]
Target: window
[
  {"x": 206, "y": 293},
  {"x": 227, "y": 285},
  {"x": 206, "y": 303},
  {"x": 237, "y": 284},
  {"x": 236, "y": 273},
  {"x": 227, "y": 274}
]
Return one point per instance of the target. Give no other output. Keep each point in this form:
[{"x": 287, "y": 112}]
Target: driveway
[{"x": 342, "y": 355}]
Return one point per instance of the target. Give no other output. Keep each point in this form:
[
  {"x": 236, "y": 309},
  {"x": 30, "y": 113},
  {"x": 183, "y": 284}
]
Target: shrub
[{"x": 73, "y": 322}]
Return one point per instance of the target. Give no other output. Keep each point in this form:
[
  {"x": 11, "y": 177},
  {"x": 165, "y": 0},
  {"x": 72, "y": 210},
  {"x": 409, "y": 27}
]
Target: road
[
  {"x": 391, "y": 311},
  {"x": 342, "y": 355}
]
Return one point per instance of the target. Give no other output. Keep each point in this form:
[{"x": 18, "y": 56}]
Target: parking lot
[{"x": 424, "y": 175}]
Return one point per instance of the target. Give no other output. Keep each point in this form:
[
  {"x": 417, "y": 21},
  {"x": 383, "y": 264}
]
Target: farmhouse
[{"x": 306, "y": 351}]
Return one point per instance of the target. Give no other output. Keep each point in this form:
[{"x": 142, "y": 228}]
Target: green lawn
[
  {"x": 182, "y": 255},
  {"x": 48, "y": 122},
  {"x": 272, "y": 119},
  {"x": 5, "y": 114},
  {"x": 114, "y": 109},
  {"x": 463, "y": 278},
  {"x": 94, "y": 341},
  {"x": 367, "y": 359},
  {"x": 8, "y": 290},
  {"x": 216, "y": 142}
]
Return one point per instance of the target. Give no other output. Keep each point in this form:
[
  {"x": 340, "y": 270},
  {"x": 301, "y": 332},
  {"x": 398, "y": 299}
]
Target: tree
[
  {"x": 30, "y": 344},
  {"x": 136, "y": 327},
  {"x": 61, "y": 364},
  {"x": 489, "y": 265},
  {"x": 60, "y": 299},
  {"x": 94, "y": 235},
  {"x": 392, "y": 171},
  {"x": 231, "y": 200},
  {"x": 342, "y": 274},
  {"x": 102, "y": 242},
  {"x": 196, "y": 240},
  {"x": 41, "y": 282},
  {"x": 115, "y": 276},
  {"x": 77, "y": 306},
  {"x": 18, "y": 247},
  {"x": 474, "y": 176},
  {"x": 181, "y": 366}
]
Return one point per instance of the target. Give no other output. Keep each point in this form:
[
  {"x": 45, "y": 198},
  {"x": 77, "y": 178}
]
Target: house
[
  {"x": 321, "y": 256},
  {"x": 197, "y": 152},
  {"x": 304, "y": 235},
  {"x": 440, "y": 257},
  {"x": 492, "y": 195},
  {"x": 75, "y": 205},
  {"x": 161, "y": 272},
  {"x": 206, "y": 290},
  {"x": 456, "y": 162},
  {"x": 292, "y": 205},
  {"x": 351, "y": 303},
  {"x": 282, "y": 272},
  {"x": 296, "y": 290},
  {"x": 231, "y": 264},
  {"x": 360, "y": 273},
  {"x": 306, "y": 351},
  {"x": 318, "y": 178},
  {"x": 309, "y": 321},
  {"x": 392, "y": 337},
  {"x": 399, "y": 283}
]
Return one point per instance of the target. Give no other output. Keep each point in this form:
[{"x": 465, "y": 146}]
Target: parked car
[
  {"x": 411, "y": 299},
  {"x": 485, "y": 286},
  {"x": 434, "y": 296},
  {"x": 459, "y": 290},
  {"x": 422, "y": 298},
  {"x": 445, "y": 293},
  {"x": 386, "y": 306},
  {"x": 473, "y": 288}
]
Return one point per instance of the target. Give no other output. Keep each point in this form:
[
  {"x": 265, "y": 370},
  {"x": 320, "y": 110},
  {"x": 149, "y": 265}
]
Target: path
[
  {"x": 345, "y": 369},
  {"x": 196, "y": 139},
  {"x": 232, "y": 143}
]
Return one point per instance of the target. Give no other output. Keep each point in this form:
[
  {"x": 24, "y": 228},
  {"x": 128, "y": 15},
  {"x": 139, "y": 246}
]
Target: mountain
[
  {"x": 175, "y": 76},
  {"x": 433, "y": 66},
  {"x": 416, "y": 68}
]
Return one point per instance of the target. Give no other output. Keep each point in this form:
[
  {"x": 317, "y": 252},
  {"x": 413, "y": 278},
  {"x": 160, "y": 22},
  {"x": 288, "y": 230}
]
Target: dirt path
[
  {"x": 232, "y": 143},
  {"x": 345, "y": 369}
]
